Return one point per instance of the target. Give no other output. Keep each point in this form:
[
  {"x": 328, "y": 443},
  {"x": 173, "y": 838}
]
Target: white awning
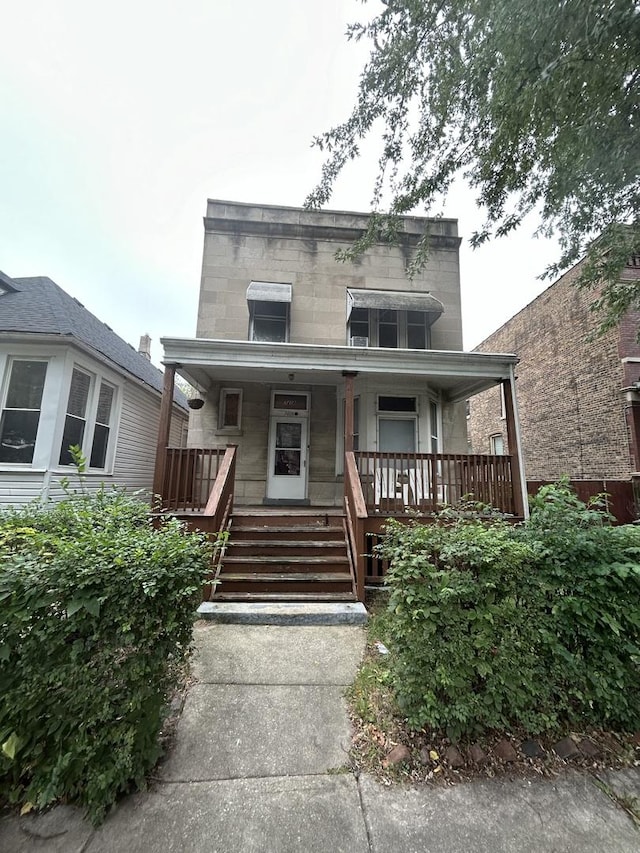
[
  {"x": 268, "y": 291},
  {"x": 394, "y": 300}
]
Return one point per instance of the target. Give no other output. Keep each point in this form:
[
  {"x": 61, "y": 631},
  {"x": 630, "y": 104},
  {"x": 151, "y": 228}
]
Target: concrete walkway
[{"x": 260, "y": 764}]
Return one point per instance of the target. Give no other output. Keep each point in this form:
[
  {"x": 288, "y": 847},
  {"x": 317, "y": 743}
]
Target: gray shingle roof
[{"x": 39, "y": 306}]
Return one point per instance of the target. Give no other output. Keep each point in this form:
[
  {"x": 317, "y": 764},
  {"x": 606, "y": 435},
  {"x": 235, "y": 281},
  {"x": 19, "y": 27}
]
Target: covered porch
[{"x": 370, "y": 432}]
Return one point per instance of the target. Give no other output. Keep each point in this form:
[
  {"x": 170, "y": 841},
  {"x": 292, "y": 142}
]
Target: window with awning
[
  {"x": 391, "y": 319},
  {"x": 269, "y": 303}
]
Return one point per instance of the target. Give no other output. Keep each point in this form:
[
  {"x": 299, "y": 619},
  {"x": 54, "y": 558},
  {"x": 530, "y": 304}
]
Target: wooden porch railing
[
  {"x": 218, "y": 509},
  {"x": 393, "y": 482},
  {"x": 189, "y": 475},
  {"x": 356, "y": 515}
]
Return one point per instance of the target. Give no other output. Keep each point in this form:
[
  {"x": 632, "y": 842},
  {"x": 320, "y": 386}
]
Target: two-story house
[{"x": 321, "y": 372}]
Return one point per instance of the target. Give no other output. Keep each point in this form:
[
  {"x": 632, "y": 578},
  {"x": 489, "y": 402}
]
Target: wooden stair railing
[
  {"x": 218, "y": 509},
  {"x": 356, "y": 516}
]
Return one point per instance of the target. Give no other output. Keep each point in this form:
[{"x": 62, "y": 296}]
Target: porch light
[{"x": 195, "y": 403}]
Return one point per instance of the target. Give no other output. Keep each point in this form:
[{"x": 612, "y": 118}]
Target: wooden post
[
  {"x": 348, "y": 410},
  {"x": 514, "y": 449},
  {"x": 633, "y": 422},
  {"x": 164, "y": 427}
]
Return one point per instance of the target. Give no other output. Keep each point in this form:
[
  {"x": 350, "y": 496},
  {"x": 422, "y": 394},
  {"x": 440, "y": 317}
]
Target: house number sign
[{"x": 290, "y": 402}]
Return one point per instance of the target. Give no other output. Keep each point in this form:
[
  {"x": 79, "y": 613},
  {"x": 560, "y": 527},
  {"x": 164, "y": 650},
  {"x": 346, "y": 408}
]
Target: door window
[{"x": 288, "y": 449}]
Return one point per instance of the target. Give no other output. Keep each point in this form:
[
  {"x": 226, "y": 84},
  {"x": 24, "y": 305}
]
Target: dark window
[
  {"x": 417, "y": 330},
  {"x": 102, "y": 428},
  {"x": 433, "y": 417},
  {"x": 21, "y": 413},
  {"x": 396, "y": 404},
  {"x": 359, "y": 324},
  {"x": 230, "y": 408},
  {"x": 269, "y": 321},
  {"x": 388, "y": 329},
  {"x": 76, "y": 419}
]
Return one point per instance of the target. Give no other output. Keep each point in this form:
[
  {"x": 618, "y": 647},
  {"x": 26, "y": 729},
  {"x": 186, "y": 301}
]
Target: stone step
[{"x": 327, "y": 609}]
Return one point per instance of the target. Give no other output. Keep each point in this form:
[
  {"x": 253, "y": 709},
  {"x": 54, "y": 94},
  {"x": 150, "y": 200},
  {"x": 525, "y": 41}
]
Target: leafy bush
[
  {"x": 535, "y": 625},
  {"x": 96, "y": 614},
  {"x": 589, "y": 573}
]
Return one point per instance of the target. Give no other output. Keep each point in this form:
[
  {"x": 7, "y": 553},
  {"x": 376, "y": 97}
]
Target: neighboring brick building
[{"x": 579, "y": 400}]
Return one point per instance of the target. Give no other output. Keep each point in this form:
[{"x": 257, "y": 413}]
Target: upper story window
[
  {"x": 21, "y": 410},
  {"x": 269, "y": 303},
  {"x": 269, "y": 321},
  {"x": 391, "y": 319},
  {"x": 372, "y": 327}
]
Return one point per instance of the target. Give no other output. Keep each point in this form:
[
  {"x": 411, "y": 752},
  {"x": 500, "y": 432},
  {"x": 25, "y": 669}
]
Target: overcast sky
[{"x": 120, "y": 119}]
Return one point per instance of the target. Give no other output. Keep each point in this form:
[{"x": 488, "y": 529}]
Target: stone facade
[
  {"x": 247, "y": 243},
  {"x": 573, "y": 414}
]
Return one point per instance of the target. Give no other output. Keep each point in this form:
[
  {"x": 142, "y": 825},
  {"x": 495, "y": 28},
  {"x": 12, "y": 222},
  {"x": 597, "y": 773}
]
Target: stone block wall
[{"x": 245, "y": 243}]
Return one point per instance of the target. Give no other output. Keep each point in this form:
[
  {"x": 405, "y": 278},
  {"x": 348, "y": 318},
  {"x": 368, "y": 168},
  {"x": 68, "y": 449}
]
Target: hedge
[
  {"x": 96, "y": 612},
  {"x": 537, "y": 625}
]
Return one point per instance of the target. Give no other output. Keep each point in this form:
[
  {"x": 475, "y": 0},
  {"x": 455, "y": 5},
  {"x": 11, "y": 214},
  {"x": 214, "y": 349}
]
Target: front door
[{"x": 288, "y": 440}]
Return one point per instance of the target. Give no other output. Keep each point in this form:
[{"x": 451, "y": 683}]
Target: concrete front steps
[{"x": 277, "y": 554}]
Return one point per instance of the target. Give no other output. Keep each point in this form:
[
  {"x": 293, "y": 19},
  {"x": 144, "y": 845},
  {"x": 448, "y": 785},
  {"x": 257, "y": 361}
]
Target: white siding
[
  {"x": 20, "y": 487},
  {"x": 136, "y": 434},
  {"x": 137, "y": 438}
]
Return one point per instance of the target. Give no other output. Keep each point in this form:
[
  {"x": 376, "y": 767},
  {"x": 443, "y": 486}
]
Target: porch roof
[{"x": 459, "y": 375}]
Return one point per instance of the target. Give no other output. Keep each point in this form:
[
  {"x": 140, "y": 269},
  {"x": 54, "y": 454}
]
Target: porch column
[
  {"x": 349, "y": 376},
  {"x": 164, "y": 427},
  {"x": 520, "y": 498},
  {"x": 632, "y": 412}
]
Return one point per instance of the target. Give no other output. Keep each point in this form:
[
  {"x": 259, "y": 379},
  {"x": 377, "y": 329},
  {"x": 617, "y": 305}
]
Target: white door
[{"x": 287, "y": 475}]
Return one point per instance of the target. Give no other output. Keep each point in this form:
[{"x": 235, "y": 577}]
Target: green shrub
[
  {"x": 589, "y": 572},
  {"x": 96, "y": 612},
  {"x": 464, "y": 640},
  {"x": 536, "y": 625}
]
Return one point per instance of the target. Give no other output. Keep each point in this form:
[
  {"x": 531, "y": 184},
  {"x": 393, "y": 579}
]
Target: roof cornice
[
  {"x": 255, "y": 355},
  {"x": 308, "y": 231}
]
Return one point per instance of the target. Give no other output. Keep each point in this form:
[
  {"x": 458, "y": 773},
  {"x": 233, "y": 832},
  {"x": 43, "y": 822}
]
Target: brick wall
[{"x": 572, "y": 413}]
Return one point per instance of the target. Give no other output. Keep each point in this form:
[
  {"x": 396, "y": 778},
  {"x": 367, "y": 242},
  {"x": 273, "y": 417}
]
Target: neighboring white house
[{"x": 67, "y": 379}]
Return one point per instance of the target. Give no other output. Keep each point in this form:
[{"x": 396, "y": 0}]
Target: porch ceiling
[{"x": 458, "y": 374}]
